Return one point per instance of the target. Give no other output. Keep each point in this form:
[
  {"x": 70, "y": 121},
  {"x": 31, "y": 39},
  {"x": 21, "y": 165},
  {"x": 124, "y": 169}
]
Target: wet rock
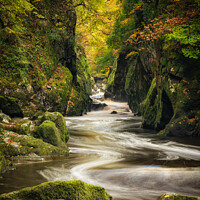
[
  {"x": 10, "y": 107},
  {"x": 113, "y": 112},
  {"x": 70, "y": 190},
  {"x": 98, "y": 106},
  {"x": 126, "y": 110}
]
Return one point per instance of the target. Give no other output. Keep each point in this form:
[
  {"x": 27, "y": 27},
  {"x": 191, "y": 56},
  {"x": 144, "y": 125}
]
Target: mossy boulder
[
  {"x": 69, "y": 190},
  {"x": 13, "y": 144},
  {"x": 10, "y": 107},
  {"x": 48, "y": 132},
  {"x": 177, "y": 197},
  {"x": 18, "y": 125},
  {"x": 59, "y": 121}
]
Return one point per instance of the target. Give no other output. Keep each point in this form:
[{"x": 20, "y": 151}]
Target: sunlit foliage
[{"x": 95, "y": 21}]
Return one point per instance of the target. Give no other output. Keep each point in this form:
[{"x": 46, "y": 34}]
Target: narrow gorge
[{"x": 100, "y": 99}]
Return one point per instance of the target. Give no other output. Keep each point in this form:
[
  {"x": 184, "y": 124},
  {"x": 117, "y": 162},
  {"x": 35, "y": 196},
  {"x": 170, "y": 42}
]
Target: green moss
[
  {"x": 157, "y": 109},
  {"x": 177, "y": 197},
  {"x": 185, "y": 121},
  {"x": 59, "y": 121},
  {"x": 185, "y": 125},
  {"x": 10, "y": 106},
  {"x": 58, "y": 90},
  {"x": 13, "y": 144},
  {"x": 18, "y": 125},
  {"x": 78, "y": 101},
  {"x": 83, "y": 75},
  {"x": 69, "y": 190},
  {"x": 150, "y": 107},
  {"x": 48, "y": 132}
]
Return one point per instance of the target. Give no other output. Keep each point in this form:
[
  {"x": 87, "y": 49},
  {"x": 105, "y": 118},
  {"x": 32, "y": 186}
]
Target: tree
[{"x": 95, "y": 22}]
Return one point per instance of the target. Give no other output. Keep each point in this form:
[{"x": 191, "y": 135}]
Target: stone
[
  {"x": 70, "y": 190},
  {"x": 59, "y": 121},
  {"x": 48, "y": 132}
]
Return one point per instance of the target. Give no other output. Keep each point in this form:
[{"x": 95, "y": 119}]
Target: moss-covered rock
[
  {"x": 157, "y": 109},
  {"x": 69, "y": 190},
  {"x": 18, "y": 125},
  {"x": 78, "y": 101},
  {"x": 116, "y": 86},
  {"x": 185, "y": 121},
  {"x": 10, "y": 107},
  {"x": 13, "y": 144},
  {"x": 137, "y": 84},
  {"x": 48, "y": 132},
  {"x": 57, "y": 91},
  {"x": 41, "y": 76},
  {"x": 177, "y": 197},
  {"x": 59, "y": 121}
]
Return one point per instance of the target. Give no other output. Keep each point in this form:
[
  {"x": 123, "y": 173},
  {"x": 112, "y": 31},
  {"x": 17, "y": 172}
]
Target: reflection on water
[{"x": 114, "y": 152}]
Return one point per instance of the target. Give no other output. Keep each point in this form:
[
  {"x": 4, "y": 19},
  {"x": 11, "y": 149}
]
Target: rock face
[
  {"x": 71, "y": 190},
  {"x": 47, "y": 74},
  {"x": 10, "y": 107},
  {"x": 177, "y": 197},
  {"x": 160, "y": 79},
  {"x": 172, "y": 106}
]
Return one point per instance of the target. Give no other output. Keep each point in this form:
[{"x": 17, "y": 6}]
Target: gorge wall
[
  {"x": 159, "y": 70},
  {"x": 41, "y": 63}
]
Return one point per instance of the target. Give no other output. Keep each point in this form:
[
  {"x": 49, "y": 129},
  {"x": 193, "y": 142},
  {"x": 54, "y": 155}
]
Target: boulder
[
  {"x": 98, "y": 106},
  {"x": 113, "y": 112},
  {"x": 70, "y": 190},
  {"x": 59, "y": 121},
  {"x": 10, "y": 107},
  {"x": 23, "y": 147},
  {"x": 48, "y": 132}
]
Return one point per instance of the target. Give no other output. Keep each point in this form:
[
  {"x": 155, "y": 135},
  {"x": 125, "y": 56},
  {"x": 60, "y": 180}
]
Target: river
[{"x": 113, "y": 151}]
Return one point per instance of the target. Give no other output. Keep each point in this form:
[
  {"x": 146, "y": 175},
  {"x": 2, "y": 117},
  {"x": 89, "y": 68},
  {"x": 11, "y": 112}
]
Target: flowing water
[{"x": 112, "y": 151}]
